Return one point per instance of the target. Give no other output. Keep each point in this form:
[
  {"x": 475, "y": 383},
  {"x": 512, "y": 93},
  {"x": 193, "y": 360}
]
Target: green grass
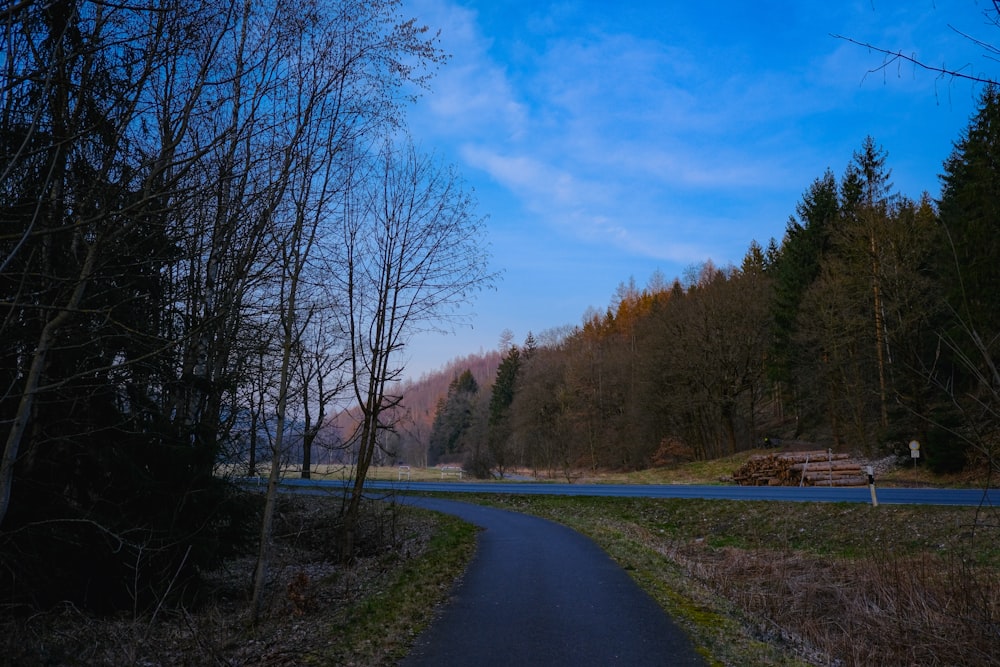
[
  {"x": 380, "y": 628},
  {"x": 715, "y": 471}
]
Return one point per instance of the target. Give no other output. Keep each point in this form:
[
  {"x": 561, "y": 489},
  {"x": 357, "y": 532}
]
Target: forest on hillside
[{"x": 875, "y": 321}]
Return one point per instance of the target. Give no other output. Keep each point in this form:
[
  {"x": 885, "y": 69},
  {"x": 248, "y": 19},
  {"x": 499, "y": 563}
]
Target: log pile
[{"x": 812, "y": 468}]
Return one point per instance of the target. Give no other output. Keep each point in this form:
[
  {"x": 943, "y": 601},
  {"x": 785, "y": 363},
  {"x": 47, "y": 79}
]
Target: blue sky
[{"x": 613, "y": 140}]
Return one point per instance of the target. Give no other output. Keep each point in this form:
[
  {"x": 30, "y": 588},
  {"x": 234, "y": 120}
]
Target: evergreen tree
[
  {"x": 841, "y": 372},
  {"x": 795, "y": 267},
  {"x": 530, "y": 345},
  {"x": 867, "y": 206},
  {"x": 969, "y": 271},
  {"x": 915, "y": 313},
  {"x": 797, "y": 264},
  {"x": 499, "y": 409},
  {"x": 970, "y": 216},
  {"x": 453, "y": 420}
]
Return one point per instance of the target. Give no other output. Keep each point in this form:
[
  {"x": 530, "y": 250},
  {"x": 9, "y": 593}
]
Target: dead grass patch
[{"x": 878, "y": 609}]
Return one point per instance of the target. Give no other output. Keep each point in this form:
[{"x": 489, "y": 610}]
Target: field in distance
[{"x": 890, "y": 472}]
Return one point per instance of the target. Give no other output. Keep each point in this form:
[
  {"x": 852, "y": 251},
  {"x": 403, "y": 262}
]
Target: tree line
[
  {"x": 875, "y": 321},
  {"x": 215, "y": 232}
]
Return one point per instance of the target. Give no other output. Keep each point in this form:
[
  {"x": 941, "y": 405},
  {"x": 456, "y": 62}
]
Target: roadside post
[
  {"x": 871, "y": 485},
  {"x": 914, "y": 451}
]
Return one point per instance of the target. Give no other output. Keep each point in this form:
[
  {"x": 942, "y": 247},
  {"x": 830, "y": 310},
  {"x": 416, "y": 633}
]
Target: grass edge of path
[{"x": 381, "y": 628}]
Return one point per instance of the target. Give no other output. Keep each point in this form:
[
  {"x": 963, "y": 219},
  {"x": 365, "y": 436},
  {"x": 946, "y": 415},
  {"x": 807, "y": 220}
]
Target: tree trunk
[
  {"x": 880, "y": 342},
  {"x": 23, "y": 415},
  {"x": 307, "y": 442},
  {"x": 366, "y": 450},
  {"x": 267, "y": 521}
]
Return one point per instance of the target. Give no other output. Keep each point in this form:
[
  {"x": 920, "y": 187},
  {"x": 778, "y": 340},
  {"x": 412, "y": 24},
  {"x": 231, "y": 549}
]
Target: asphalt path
[
  {"x": 885, "y": 496},
  {"x": 539, "y": 593}
]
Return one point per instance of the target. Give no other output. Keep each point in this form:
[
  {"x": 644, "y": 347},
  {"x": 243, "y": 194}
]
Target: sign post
[
  {"x": 914, "y": 451},
  {"x": 871, "y": 485}
]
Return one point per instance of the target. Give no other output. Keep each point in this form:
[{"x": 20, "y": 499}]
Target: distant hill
[{"x": 416, "y": 413}]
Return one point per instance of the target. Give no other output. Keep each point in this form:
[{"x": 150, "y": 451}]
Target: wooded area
[
  {"x": 872, "y": 323},
  {"x": 214, "y": 234}
]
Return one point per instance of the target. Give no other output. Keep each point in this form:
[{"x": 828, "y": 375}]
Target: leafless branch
[{"x": 895, "y": 57}]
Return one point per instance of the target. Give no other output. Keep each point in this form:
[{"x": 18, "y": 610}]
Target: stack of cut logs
[{"x": 815, "y": 468}]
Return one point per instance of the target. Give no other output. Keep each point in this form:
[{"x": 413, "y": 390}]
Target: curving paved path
[{"x": 539, "y": 593}]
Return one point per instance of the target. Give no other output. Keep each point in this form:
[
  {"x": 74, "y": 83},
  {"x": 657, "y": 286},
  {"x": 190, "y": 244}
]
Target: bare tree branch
[{"x": 896, "y": 57}]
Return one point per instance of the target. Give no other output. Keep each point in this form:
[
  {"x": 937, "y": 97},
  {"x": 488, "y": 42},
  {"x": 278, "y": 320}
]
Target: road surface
[
  {"x": 539, "y": 593},
  {"x": 886, "y": 496}
]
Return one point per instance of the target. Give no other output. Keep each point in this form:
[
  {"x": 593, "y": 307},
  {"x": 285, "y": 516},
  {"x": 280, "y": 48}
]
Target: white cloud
[
  {"x": 545, "y": 188},
  {"x": 471, "y": 94},
  {"x": 638, "y": 144},
  {"x": 599, "y": 213}
]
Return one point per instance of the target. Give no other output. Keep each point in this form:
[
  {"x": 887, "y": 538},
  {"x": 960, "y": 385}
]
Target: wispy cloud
[
  {"x": 604, "y": 106},
  {"x": 536, "y": 181},
  {"x": 621, "y": 138},
  {"x": 471, "y": 94}
]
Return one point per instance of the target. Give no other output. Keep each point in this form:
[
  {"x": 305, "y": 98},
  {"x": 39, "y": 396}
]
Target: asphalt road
[
  {"x": 539, "y": 593},
  {"x": 886, "y": 496}
]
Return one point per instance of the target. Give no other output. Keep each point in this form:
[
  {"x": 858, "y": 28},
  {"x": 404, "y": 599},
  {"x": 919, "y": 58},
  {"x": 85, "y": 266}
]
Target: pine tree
[
  {"x": 501, "y": 398},
  {"x": 867, "y": 206},
  {"x": 970, "y": 215},
  {"x": 453, "y": 419},
  {"x": 968, "y": 267},
  {"x": 843, "y": 375},
  {"x": 795, "y": 268}
]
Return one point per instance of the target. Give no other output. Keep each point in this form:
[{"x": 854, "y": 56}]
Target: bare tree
[
  {"x": 320, "y": 373},
  {"x": 343, "y": 68},
  {"x": 81, "y": 87},
  {"x": 412, "y": 254},
  {"x": 896, "y": 58},
  {"x": 167, "y": 167},
  {"x": 125, "y": 124}
]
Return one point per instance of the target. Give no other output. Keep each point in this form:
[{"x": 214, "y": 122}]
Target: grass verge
[{"x": 380, "y": 628}]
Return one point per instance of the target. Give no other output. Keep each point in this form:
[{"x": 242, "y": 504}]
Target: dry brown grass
[{"x": 875, "y": 610}]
